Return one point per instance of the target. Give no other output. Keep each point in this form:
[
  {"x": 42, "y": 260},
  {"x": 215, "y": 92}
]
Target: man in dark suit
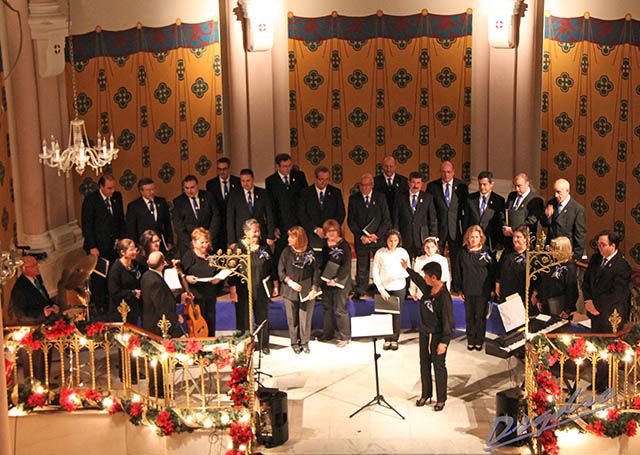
[
  {"x": 249, "y": 202},
  {"x": 565, "y": 218},
  {"x": 150, "y": 212},
  {"x": 450, "y": 196},
  {"x": 415, "y": 216},
  {"x": 523, "y": 208},
  {"x": 390, "y": 183},
  {"x": 194, "y": 208},
  {"x": 221, "y": 186},
  {"x": 284, "y": 187},
  {"x": 318, "y": 203},
  {"x": 102, "y": 224},
  {"x": 369, "y": 220},
  {"x": 485, "y": 208},
  {"x": 31, "y": 304}
]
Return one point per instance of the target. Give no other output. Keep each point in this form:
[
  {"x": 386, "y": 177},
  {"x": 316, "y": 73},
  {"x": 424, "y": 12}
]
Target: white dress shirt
[
  {"x": 421, "y": 261},
  {"x": 388, "y": 273}
]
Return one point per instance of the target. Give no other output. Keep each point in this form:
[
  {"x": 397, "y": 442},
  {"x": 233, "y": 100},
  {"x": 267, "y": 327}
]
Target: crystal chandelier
[{"x": 79, "y": 153}]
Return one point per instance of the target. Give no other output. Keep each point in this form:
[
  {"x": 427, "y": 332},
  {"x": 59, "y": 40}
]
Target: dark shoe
[
  {"x": 394, "y": 345},
  {"x": 478, "y": 347},
  {"x": 470, "y": 347},
  {"x": 266, "y": 350},
  {"x": 438, "y": 407},
  {"x": 386, "y": 346},
  {"x": 422, "y": 401},
  {"x": 296, "y": 348},
  {"x": 306, "y": 349},
  {"x": 356, "y": 296}
]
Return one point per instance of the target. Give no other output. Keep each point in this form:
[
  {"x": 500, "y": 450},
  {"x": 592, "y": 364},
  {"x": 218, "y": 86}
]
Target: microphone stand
[{"x": 258, "y": 372}]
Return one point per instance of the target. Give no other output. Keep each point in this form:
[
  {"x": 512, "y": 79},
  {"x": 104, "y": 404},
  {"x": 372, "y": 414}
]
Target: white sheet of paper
[
  {"x": 512, "y": 312},
  {"x": 171, "y": 278},
  {"x": 221, "y": 275},
  {"x": 543, "y": 317},
  {"x": 586, "y": 323},
  {"x": 375, "y": 325}
]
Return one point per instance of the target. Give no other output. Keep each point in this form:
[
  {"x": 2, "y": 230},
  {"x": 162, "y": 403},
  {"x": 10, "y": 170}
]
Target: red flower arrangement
[
  {"x": 234, "y": 452},
  {"x": 95, "y": 329},
  {"x": 169, "y": 345},
  {"x": 136, "y": 409},
  {"x": 224, "y": 356},
  {"x": 238, "y": 393},
  {"x": 115, "y": 407},
  {"x": 635, "y": 404},
  {"x": 549, "y": 442},
  {"x": 69, "y": 399},
  {"x": 28, "y": 342},
  {"x": 93, "y": 395},
  {"x": 631, "y": 428},
  {"x": 618, "y": 346},
  {"x": 596, "y": 428},
  {"x": 240, "y": 434},
  {"x": 60, "y": 330},
  {"x": 36, "y": 400},
  {"x": 165, "y": 422},
  {"x": 553, "y": 358},
  {"x": 134, "y": 342},
  {"x": 577, "y": 348},
  {"x": 613, "y": 414},
  {"x": 193, "y": 347}
]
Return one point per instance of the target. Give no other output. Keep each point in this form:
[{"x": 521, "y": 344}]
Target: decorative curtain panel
[
  {"x": 591, "y": 121},
  {"x": 159, "y": 92},
  {"x": 362, "y": 88}
]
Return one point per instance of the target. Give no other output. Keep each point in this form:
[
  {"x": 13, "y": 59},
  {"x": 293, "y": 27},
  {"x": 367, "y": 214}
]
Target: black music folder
[
  {"x": 331, "y": 273},
  {"x": 391, "y": 306},
  {"x": 101, "y": 268}
]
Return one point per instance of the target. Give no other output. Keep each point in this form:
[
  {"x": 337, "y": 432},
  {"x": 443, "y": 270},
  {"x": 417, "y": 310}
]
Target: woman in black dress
[
  {"x": 124, "y": 283},
  {"x": 335, "y": 288},
  {"x": 149, "y": 242},
  {"x": 476, "y": 270},
  {"x": 436, "y": 326},
  {"x": 556, "y": 292},
  {"x": 196, "y": 264},
  {"x": 261, "y": 267},
  {"x": 300, "y": 277},
  {"x": 511, "y": 272}
]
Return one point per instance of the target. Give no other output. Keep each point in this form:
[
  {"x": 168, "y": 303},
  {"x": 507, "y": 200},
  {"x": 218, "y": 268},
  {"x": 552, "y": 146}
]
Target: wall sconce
[
  {"x": 258, "y": 16},
  {"x": 504, "y": 22}
]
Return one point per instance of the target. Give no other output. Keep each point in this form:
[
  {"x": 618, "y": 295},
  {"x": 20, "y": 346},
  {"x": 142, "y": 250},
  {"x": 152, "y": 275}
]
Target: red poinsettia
[
  {"x": 165, "y": 422},
  {"x": 69, "y": 399},
  {"x": 134, "y": 342},
  {"x": 28, "y": 342},
  {"x": 193, "y": 347},
  {"x": 95, "y": 329},
  {"x": 115, "y": 407},
  {"x": 549, "y": 442},
  {"x": 93, "y": 395},
  {"x": 596, "y": 428},
  {"x": 613, "y": 414},
  {"x": 36, "y": 400},
  {"x": 240, "y": 434},
  {"x": 635, "y": 404},
  {"x": 136, "y": 409},
  {"x": 224, "y": 356},
  {"x": 553, "y": 358},
  {"x": 238, "y": 395},
  {"x": 577, "y": 348},
  {"x": 234, "y": 452},
  {"x": 618, "y": 346},
  {"x": 60, "y": 330},
  {"x": 169, "y": 345},
  {"x": 631, "y": 428}
]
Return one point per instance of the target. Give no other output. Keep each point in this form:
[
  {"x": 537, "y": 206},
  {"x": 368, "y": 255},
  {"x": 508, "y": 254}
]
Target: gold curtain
[
  {"x": 591, "y": 122},
  {"x": 161, "y": 98},
  {"x": 362, "y": 88}
]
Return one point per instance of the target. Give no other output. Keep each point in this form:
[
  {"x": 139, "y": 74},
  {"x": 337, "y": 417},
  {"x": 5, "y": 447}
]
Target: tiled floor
[{"x": 329, "y": 384}]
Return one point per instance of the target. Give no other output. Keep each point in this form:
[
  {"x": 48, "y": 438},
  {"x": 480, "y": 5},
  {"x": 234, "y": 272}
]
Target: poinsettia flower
[
  {"x": 95, "y": 329},
  {"x": 28, "y": 342},
  {"x": 631, "y": 428},
  {"x": 596, "y": 428},
  {"x": 193, "y": 347},
  {"x": 169, "y": 345}
]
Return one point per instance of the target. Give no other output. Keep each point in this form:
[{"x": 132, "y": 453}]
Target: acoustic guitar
[{"x": 196, "y": 324}]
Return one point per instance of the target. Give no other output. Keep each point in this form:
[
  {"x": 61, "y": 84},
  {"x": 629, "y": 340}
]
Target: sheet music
[
  {"x": 221, "y": 275},
  {"x": 375, "y": 325},
  {"x": 512, "y": 312},
  {"x": 171, "y": 278}
]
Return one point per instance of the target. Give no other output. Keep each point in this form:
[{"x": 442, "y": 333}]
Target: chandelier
[{"x": 79, "y": 153}]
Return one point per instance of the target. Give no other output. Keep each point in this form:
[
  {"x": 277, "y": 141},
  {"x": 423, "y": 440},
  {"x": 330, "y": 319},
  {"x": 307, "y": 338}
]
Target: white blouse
[
  {"x": 388, "y": 273},
  {"x": 421, "y": 261}
]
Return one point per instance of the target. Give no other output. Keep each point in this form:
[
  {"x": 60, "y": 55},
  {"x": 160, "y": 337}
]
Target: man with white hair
[{"x": 565, "y": 218}]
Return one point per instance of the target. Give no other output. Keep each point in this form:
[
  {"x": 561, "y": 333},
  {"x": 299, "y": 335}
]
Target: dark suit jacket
[
  {"x": 238, "y": 213},
  {"x": 529, "y": 212},
  {"x": 27, "y": 302},
  {"x": 449, "y": 218},
  {"x": 360, "y": 216},
  {"x": 99, "y": 228},
  {"x": 139, "y": 219},
  {"x": 491, "y": 219},
  {"x": 157, "y": 299},
  {"x": 609, "y": 290},
  {"x": 184, "y": 219},
  {"x": 569, "y": 223},
  {"x": 285, "y": 200},
  {"x": 311, "y": 215},
  {"x": 399, "y": 185},
  {"x": 415, "y": 227},
  {"x": 213, "y": 186}
]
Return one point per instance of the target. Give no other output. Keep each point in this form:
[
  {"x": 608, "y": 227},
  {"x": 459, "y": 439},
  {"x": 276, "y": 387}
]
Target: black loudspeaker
[
  {"x": 273, "y": 424},
  {"x": 510, "y": 402}
]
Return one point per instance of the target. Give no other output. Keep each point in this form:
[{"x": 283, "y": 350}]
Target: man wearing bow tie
[
  {"x": 523, "y": 208},
  {"x": 389, "y": 182},
  {"x": 194, "y": 208},
  {"x": 414, "y": 215},
  {"x": 450, "y": 196},
  {"x": 485, "y": 208},
  {"x": 150, "y": 212},
  {"x": 565, "y": 218},
  {"x": 284, "y": 187},
  {"x": 221, "y": 186}
]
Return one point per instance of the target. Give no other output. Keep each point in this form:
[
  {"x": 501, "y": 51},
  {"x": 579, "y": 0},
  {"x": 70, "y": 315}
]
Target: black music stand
[
  {"x": 258, "y": 372},
  {"x": 374, "y": 326}
]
